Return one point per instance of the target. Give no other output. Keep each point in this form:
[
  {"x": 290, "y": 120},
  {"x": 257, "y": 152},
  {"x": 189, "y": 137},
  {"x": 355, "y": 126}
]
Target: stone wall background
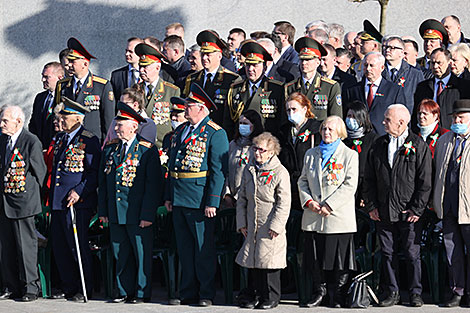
[{"x": 34, "y": 31}]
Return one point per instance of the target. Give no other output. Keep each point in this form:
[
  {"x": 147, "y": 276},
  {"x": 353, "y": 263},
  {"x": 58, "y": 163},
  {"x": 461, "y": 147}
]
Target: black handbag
[{"x": 359, "y": 293}]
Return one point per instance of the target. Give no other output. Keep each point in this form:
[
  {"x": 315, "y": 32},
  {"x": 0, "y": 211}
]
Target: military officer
[
  {"x": 130, "y": 192},
  {"x": 434, "y": 36},
  {"x": 214, "y": 78},
  {"x": 370, "y": 40},
  {"x": 157, "y": 91},
  {"x": 74, "y": 179},
  {"x": 89, "y": 90},
  {"x": 323, "y": 92},
  {"x": 257, "y": 92},
  {"x": 198, "y": 164}
]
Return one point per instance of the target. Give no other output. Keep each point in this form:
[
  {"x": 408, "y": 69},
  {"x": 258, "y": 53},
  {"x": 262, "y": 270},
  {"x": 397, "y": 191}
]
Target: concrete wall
[{"x": 34, "y": 31}]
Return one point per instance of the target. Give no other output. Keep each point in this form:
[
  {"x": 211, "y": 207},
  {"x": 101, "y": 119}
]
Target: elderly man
[
  {"x": 370, "y": 40},
  {"x": 396, "y": 190},
  {"x": 130, "y": 193},
  {"x": 23, "y": 170},
  {"x": 336, "y": 34},
  {"x": 452, "y": 24},
  {"x": 435, "y": 36},
  {"x": 194, "y": 58},
  {"x": 198, "y": 165},
  {"x": 451, "y": 201},
  {"x": 42, "y": 116},
  {"x": 74, "y": 179},
  {"x": 374, "y": 91}
]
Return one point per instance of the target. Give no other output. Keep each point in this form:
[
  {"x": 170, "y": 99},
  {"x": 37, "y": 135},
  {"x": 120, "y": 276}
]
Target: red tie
[
  {"x": 370, "y": 95},
  {"x": 440, "y": 88}
]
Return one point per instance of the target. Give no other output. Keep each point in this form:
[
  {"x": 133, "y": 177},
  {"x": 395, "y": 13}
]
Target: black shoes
[
  {"x": 246, "y": 304},
  {"x": 119, "y": 299},
  {"x": 58, "y": 295},
  {"x": 316, "y": 301},
  {"x": 5, "y": 295},
  {"x": 137, "y": 301},
  {"x": 391, "y": 300},
  {"x": 29, "y": 297},
  {"x": 453, "y": 302},
  {"x": 78, "y": 297},
  {"x": 416, "y": 300},
  {"x": 205, "y": 302},
  {"x": 174, "y": 301},
  {"x": 266, "y": 305}
]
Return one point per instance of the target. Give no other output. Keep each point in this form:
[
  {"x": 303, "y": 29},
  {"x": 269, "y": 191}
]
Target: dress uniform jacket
[
  {"x": 217, "y": 90},
  {"x": 158, "y": 107},
  {"x": 41, "y": 122},
  {"x": 323, "y": 93},
  {"x": 97, "y": 95},
  {"x": 268, "y": 101}
]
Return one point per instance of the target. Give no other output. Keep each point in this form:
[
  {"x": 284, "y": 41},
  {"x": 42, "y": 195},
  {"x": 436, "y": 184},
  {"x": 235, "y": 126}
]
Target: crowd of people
[{"x": 328, "y": 125}]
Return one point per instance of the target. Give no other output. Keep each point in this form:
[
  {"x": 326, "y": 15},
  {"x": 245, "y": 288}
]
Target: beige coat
[
  {"x": 442, "y": 156},
  {"x": 237, "y": 154},
  {"x": 264, "y": 206},
  {"x": 338, "y": 192}
]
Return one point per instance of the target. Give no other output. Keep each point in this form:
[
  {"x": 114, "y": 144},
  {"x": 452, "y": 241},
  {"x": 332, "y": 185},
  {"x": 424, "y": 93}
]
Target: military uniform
[
  {"x": 197, "y": 164},
  {"x": 130, "y": 192}
]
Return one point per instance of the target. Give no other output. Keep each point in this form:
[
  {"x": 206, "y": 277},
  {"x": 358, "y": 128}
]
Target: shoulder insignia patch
[
  {"x": 328, "y": 80},
  {"x": 169, "y": 85},
  {"x": 275, "y": 82},
  {"x": 145, "y": 143},
  {"x": 113, "y": 141},
  {"x": 214, "y": 125},
  {"x": 99, "y": 80},
  {"x": 88, "y": 134}
]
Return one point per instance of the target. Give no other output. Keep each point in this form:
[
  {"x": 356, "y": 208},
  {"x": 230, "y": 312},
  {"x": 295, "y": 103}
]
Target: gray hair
[
  {"x": 269, "y": 43},
  {"x": 317, "y": 24},
  {"x": 402, "y": 111},
  {"x": 15, "y": 111},
  {"x": 195, "y": 47},
  {"x": 320, "y": 35},
  {"x": 336, "y": 30},
  {"x": 272, "y": 143},
  {"x": 379, "y": 55}
]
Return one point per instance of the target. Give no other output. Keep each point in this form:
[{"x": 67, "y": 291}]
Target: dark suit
[
  {"x": 291, "y": 55},
  {"x": 95, "y": 94},
  {"x": 183, "y": 68},
  {"x": 41, "y": 120},
  {"x": 284, "y": 71},
  {"x": 388, "y": 93},
  {"x": 408, "y": 77},
  {"x": 75, "y": 167},
  {"x": 20, "y": 201},
  {"x": 344, "y": 79},
  {"x": 456, "y": 89},
  {"x": 120, "y": 81}
]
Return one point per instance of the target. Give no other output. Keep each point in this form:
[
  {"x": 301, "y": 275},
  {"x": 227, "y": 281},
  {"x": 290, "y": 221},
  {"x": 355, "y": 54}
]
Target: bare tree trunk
[{"x": 383, "y": 15}]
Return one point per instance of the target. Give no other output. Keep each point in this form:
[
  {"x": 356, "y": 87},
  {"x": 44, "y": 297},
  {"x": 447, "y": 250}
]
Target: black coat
[
  {"x": 119, "y": 81},
  {"x": 291, "y": 55},
  {"x": 283, "y": 71},
  {"x": 406, "y": 186},
  {"x": 41, "y": 122}
]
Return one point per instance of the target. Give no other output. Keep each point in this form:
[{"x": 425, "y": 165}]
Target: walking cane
[{"x": 77, "y": 246}]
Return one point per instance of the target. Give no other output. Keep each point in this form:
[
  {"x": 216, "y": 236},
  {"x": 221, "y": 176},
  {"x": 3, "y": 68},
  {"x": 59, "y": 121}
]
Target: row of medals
[
  {"x": 92, "y": 103},
  {"x": 15, "y": 178},
  {"x": 161, "y": 113},
  {"x": 194, "y": 155},
  {"x": 128, "y": 173},
  {"x": 268, "y": 109},
  {"x": 74, "y": 161}
]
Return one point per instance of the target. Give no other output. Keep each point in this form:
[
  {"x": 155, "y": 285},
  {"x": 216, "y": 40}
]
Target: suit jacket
[
  {"x": 120, "y": 81},
  {"x": 130, "y": 193},
  {"x": 388, "y": 93},
  {"x": 183, "y": 68},
  {"x": 344, "y": 79},
  {"x": 457, "y": 88},
  {"x": 41, "y": 122},
  {"x": 204, "y": 150},
  {"x": 284, "y": 71},
  {"x": 291, "y": 55},
  {"x": 408, "y": 77},
  {"x": 75, "y": 166},
  {"x": 97, "y": 95},
  {"x": 21, "y": 197}
]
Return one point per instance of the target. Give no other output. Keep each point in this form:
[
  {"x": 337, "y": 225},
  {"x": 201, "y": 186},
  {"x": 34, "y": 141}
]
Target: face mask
[
  {"x": 244, "y": 130},
  {"x": 296, "y": 118},
  {"x": 175, "y": 124},
  {"x": 352, "y": 123},
  {"x": 460, "y": 129},
  {"x": 427, "y": 130}
]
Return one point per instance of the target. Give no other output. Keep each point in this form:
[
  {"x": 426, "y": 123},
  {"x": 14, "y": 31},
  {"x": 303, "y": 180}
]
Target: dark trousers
[
  {"x": 395, "y": 236},
  {"x": 264, "y": 284},
  {"x": 457, "y": 241},
  {"x": 196, "y": 249},
  {"x": 132, "y": 248},
  {"x": 65, "y": 252},
  {"x": 18, "y": 254}
]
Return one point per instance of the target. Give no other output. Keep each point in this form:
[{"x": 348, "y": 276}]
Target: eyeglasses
[
  {"x": 278, "y": 33},
  {"x": 392, "y": 48},
  {"x": 260, "y": 150}
]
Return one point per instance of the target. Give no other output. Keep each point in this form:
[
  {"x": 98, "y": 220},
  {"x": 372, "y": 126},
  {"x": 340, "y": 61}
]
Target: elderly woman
[
  {"x": 429, "y": 115},
  {"x": 240, "y": 153},
  {"x": 460, "y": 60},
  {"x": 298, "y": 135},
  {"x": 263, "y": 207},
  {"x": 327, "y": 187}
]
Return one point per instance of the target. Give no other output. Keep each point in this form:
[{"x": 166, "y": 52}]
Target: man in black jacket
[
  {"x": 396, "y": 190},
  {"x": 22, "y": 166}
]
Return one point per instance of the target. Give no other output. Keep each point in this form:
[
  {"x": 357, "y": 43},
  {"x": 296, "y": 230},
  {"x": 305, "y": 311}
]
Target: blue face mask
[
  {"x": 244, "y": 130},
  {"x": 296, "y": 118},
  {"x": 175, "y": 124},
  {"x": 352, "y": 124},
  {"x": 460, "y": 129}
]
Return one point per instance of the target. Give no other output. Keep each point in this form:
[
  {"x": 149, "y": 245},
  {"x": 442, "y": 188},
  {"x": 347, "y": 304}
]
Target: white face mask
[
  {"x": 297, "y": 118},
  {"x": 175, "y": 124},
  {"x": 244, "y": 130}
]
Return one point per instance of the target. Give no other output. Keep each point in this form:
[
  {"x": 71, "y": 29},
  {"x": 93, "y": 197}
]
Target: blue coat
[
  {"x": 291, "y": 55},
  {"x": 206, "y": 149}
]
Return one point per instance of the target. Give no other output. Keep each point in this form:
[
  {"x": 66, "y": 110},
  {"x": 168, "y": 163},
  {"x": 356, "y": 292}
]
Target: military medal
[
  {"x": 92, "y": 102},
  {"x": 15, "y": 179},
  {"x": 161, "y": 112}
]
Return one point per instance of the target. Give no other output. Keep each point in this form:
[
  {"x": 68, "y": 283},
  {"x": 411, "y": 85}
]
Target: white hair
[
  {"x": 270, "y": 44},
  {"x": 15, "y": 111},
  {"x": 379, "y": 55},
  {"x": 336, "y": 30},
  {"x": 317, "y": 24},
  {"x": 402, "y": 110}
]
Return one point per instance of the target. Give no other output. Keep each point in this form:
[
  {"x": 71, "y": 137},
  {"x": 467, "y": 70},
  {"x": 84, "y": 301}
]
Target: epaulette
[
  {"x": 88, "y": 134},
  {"x": 214, "y": 125},
  {"x": 145, "y": 143},
  {"x": 290, "y": 83},
  {"x": 99, "y": 80},
  {"x": 236, "y": 83},
  {"x": 169, "y": 85},
  {"x": 275, "y": 82},
  {"x": 112, "y": 141},
  {"x": 229, "y": 71},
  {"x": 328, "y": 80}
]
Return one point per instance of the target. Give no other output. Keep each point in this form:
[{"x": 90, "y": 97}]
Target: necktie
[
  {"x": 208, "y": 80},
  {"x": 77, "y": 89},
  {"x": 8, "y": 150},
  {"x": 135, "y": 77},
  {"x": 440, "y": 88},
  {"x": 190, "y": 130},
  {"x": 123, "y": 151},
  {"x": 307, "y": 85},
  {"x": 394, "y": 74},
  {"x": 253, "y": 90},
  {"x": 48, "y": 104},
  {"x": 370, "y": 95},
  {"x": 149, "y": 92},
  {"x": 458, "y": 147}
]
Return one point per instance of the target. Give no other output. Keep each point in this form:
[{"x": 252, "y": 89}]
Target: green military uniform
[
  {"x": 130, "y": 192},
  {"x": 324, "y": 94},
  {"x": 198, "y": 165}
]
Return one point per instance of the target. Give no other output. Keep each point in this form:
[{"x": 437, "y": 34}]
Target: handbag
[{"x": 359, "y": 293}]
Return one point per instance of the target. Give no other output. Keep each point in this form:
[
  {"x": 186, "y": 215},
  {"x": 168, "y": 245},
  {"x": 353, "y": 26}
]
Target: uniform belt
[{"x": 189, "y": 175}]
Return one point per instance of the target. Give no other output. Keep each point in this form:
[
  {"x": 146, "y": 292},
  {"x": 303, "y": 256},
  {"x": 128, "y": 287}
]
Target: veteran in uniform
[
  {"x": 91, "y": 91},
  {"x": 130, "y": 192},
  {"x": 370, "y": 40},
  {"x": 198, "y": 165},
  {"x": 157, "y": 91},
  {"x": 74, "y": 179},
  {"x": 434, "y": 36},
  {"x": 257, "y": 92},
  {"x": 214, "y": 78},
  {"x": 323, "y": 92}
]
